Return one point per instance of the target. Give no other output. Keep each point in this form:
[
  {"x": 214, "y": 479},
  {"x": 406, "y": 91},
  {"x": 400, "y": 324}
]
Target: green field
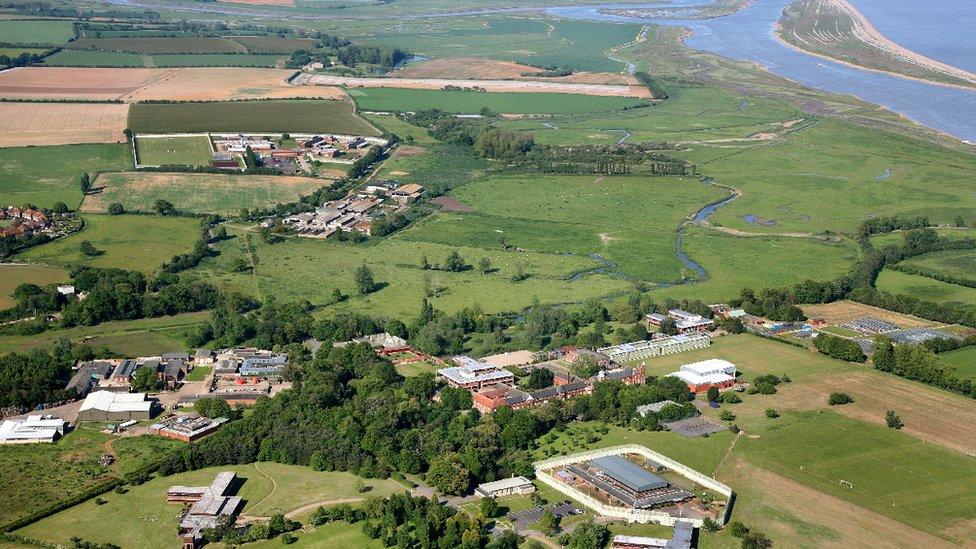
[
  {"x": 335, "y": 535},
  {"x": 201, "y": 193},
  {"x": 301, "y": 268},
  {"x": 12, "y": 276},
  {"x": 173, "y": 151},
  {"x": 92, "y": 58},
  {"x": 920, "y": 484},
  {"x": 46, "y": 175},
  {"x": 959, "y": 264},
  {"x": 439, "y": 167},
  {"x": 136, "y": 242},
  {"x": 962, "y": 361},
  {"x": 35, "y": 476},
  {"x": 199, "y": 373},
  {"x": 157, "y": 45},
  {"x": 14, "y": 52},
  {"x": 628, "y": 220},
  {"x": 897, "y": 238},
  {"x": 402, "y": 99},
  {"x": 926, "y": 289},
  {"x": 581, "y": 45},
  {"x": 248, "y": 116},
  {"x": 36, "y": 32},
  {"x": 142, "y": 337},
  {"x": 151, "y": 521},
  {"x": 274, "y": 44},
  {"x": 86, "y": 58}
]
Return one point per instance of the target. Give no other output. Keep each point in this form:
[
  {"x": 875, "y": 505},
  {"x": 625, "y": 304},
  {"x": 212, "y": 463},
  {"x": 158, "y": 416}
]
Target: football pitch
[{"x": 173, "y": 151}]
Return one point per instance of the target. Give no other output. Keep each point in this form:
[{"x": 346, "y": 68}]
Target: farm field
[
  {"x": 628, "y": 220},
  {"x": 152, "y": 520},
  {"x": 898, "y": 237},
  {"x": 473, "y": 68},
  {"x": 156, "y": 45},
  {"x": 577, "y": 44},
  {"x": 25, "y": 124},
  {"x": 273, "y": 44},
  {"x": 257, "y": 116},
  {"x": 143, "y": 84},
  {"x": 892, "y": 473},
  {"x": 962, "y": 361},
  {"x": 173, "y": 151},
  {"x": 471, "y": 102},
  {"x": 924, "y": 288},
  {"x": 36, "y": 32},
  {"x": 136, "y": 242},
  {"x": 200, "y": 193},
  {"x": 521, "y": 85},
  {"x": 302, "y": 268},
  {"x": 36, "y": 476},
  {"x": 142, "y": 337},
  {"x": 12, "y": 276},
  {"x": 90, "y": 58},
  {"x": 844, "y": 311},
  {"x": 46, "y": 175},
  {"x": 960, "y": 264},
  {"x": 440, "y": 167}
]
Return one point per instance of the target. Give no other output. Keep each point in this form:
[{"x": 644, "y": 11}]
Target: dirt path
[{"x": 274, "y": 486}]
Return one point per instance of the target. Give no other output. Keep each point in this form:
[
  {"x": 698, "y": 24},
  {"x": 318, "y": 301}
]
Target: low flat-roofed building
[
  {"x": 263, "y": 365},
  {"x": 701, "y": 376},
  {"x": 474, "y": 374},
  {"x": 209, "y": 505},
  {"x": 655, "y": 407},
  {"x": 186, "y": 428},
  {"x": 31, "y": 430},
  {"x": 114, "y": 406},
  {"x": 89, "y": 374},
  {"x": 505, "y": 487},
  {"x": 637, "y": 350},
  {"x": 681, "y": 538}
]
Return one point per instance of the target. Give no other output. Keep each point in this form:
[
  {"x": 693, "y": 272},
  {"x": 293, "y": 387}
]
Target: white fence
[{"x": 624, "y": 513}]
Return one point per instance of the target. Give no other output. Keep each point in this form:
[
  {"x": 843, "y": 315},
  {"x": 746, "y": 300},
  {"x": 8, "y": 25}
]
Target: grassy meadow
[
  {"x": 200, "y": 193},
  {"x": 92, "y": 58},
  {"x": 38, "y": 32},
  {"x": 44, "y": 176},
  {"x": 151, "y": 521},
  {"x": 959, "y": 264},
  {"x": 471, "y": 102},
  {"x": 249, "y": 116},
  {"x": 12, "y": 276},
  {"x": 962, "y": 361},
  {"x": 173, "y": 151},
  {"x": 136, "y": 242},
  {"x": 926, "y": 289}
]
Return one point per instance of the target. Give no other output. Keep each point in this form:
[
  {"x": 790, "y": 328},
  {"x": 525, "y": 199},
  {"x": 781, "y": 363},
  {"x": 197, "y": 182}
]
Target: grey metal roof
[{"x": 629, "y": 474}]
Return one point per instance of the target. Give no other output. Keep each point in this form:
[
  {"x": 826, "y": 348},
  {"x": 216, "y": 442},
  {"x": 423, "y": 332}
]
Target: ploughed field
[{"x": 40, "y": 124}]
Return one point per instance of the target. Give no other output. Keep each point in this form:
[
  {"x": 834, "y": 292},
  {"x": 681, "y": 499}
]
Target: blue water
[{"x": 749, "y": 35}]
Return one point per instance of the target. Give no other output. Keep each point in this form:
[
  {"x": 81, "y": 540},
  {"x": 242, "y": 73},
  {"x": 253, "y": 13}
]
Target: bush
[
  {"x": 116, "y": 209},
  {"x": 726, "y": 416},
  {"x": 893, "y": 421},
  {"x": 730, "y": 397},
  {"x": 837, "y": 399},
  {"x": 737, "y": 529},
  {"x": 771, "y": 413}
]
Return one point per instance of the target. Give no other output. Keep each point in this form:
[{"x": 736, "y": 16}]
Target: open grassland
[
  {"x": 142, "y": 337},
  {"x": 960, "y": 264},
  {"x": 733, "y": 263},
  {"x": 274, "y": 44},
  {"x": 142, "y": 84},
  {"x": 15, "y": 51},
  {"x": 393, "y": 124},
  {"x": 930, "y": 414},
  {"x": 136, "y": 242},
  {"x": 628, "y": 220},
  {"x": 926, "y": 289},
  {"x": 397, "y": 99},
  {"x": 151, "y": 521},
  {"x": 581, "y": 45},
  {"x": 46, "y": 175},
  {"x": 35, "y": 476},
  {"x": 437, "y": 167},
  {"x": 897, "y": 238},
  {"x": 919, "y": 484},
  {"x": 155, "y": 45},
  {"x": 199, "y": 193},
  {"x": 12, "y": 276},
  {"x": 88, "y": 58},
  {"x": 256, "y": 116},
  {"x": 36, "y": 32},
  {"x": 91, "y": 58},
  {"x": 962, "y": 361},
  {"x": 862, "y": 172},
  {"x": 335, "y": 535},
  {"x": 310, "y": 269},
  {"x": 24, "y": 124},
  {"x": 173, "y": 151}
]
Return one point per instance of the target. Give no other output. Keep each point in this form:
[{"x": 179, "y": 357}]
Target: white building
[
  {"x": 637, "y": 350},
  {"x": 114, "y": 406},
  {"x": 474, "y": 374},
  {"x": 34, "y": 429},
  {"x": 700, "y": 376},
  {"x": 505, "y": 487}
]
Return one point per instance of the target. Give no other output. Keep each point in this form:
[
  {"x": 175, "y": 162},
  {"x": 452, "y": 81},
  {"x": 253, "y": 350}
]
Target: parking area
[{"x": 522, "y": 519}]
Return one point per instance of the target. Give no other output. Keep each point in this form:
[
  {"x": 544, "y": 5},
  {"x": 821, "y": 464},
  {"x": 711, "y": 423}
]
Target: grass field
[
  {"x": 151, "y": 521},
  {"x": 628, "y": 220},
  {"x": 257, "y": 116},
  {"x": 201, "y": 193},
  {"x": 136, "y": 242},
  {"x": 199, "y": 373},
  {"x": 157, "y": 45},
  {"x": 335, "y": 535},
  {"x": 898, "y": 237},
  {"x": 36, "y": 32},
  {"x": 12, "y": 276},
  {"x": 894, "y": 474},
  {"x": 142, "y": 337},
  {"x": 955, "y": 263},
  {"x": 926, "y": 289},
  {"x": 962, "y": 361},
  {"x": 173, "y": 151},
  {"x": 44, "y": 176},
  {"x": 416, "y": 368},
  {"x": 87, "y": 58},
  {"x": 90, "y": 58},
  {"x": 35, "y": 476},
  {"x": 300, "y": 268},
  {"x": 401, "y": 99}
]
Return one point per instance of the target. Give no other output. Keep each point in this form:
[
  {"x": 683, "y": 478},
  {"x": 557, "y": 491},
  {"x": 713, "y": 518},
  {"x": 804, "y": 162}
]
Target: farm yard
[
  {"x": 472, "y": 102},
  {"x": 257, "y": 116},
  {"x": 46, "y": 175},
  {"x": 25, "y": 124},
  {"x": 136, "y": 242},
  {"x": 173, "y": 151},
  {"x": 199, "y": 193},
  {"x": 265, "y": 488}
]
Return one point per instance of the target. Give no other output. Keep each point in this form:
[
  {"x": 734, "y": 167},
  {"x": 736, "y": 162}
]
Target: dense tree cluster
[
  {"x": 839, "y": 347},
  {"x": 919, "y": 363}
]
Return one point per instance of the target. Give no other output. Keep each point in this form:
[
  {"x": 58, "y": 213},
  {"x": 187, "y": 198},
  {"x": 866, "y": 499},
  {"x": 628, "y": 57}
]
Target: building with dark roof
[
  {"x": 625, "y": 483},
  {"x": 89, "y": 374}
]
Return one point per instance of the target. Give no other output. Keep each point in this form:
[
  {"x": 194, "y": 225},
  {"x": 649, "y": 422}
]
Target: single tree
[
  {"x": 549, "y": 523},
  {"x": 364, "y": 280},
  {"x": 164, "y": 207},
  {"x": 668, "y": 327},
  {"x": 454, "y": 262},
  {"x": 88, "y": 249},
  {"x": 85, "y": 183},
  {"x": 836, "y": 399},
  {"x": 893, "y": 421},
  {"x": 712, "y": 394},
  {"x": 116, "y": 208},
  {"x": 144, "y": 380},
  {"x": 484, "y": 264},
  {"x": 771, "y": 413},
  {"x": 489, "y": 507}
]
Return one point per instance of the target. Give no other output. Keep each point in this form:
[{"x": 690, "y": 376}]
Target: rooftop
[
  {"x": 117, "y": 402},
  {"x": 629, "y": 474},
  {"x": 504, "y": 484}
]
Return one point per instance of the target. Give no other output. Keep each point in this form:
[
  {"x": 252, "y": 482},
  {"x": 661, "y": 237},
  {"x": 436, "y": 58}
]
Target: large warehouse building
[
  {"x": 701, "y": 376},
  {"x": 627, "y": 484},
  {"x": 112, "y": 406}
]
